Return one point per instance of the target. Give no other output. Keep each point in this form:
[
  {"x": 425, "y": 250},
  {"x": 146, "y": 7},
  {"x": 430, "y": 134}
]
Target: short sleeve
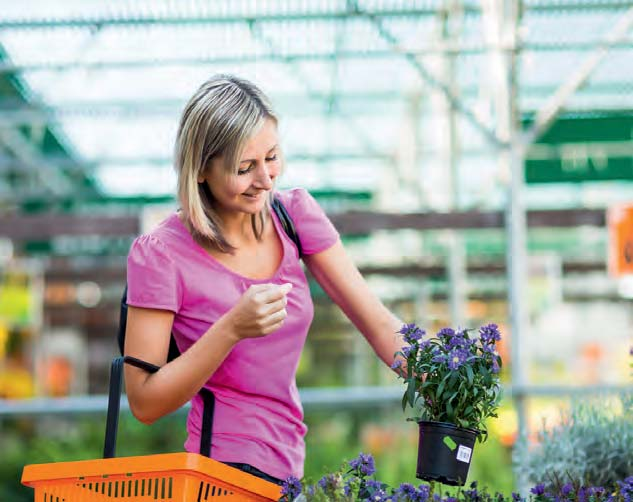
[
  {"x": 314, "y": 228},
  {"x": 152, "y": 278}
]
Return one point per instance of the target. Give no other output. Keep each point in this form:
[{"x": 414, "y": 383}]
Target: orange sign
[{"x": 620, "y": 222}]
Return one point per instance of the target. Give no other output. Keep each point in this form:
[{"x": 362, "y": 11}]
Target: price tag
[
  {"x": 620, "y": 225},
  {"x": 463, "y": 453}
]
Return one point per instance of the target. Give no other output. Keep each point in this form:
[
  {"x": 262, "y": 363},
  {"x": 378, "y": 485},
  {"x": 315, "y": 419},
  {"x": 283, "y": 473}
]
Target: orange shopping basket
[{"x": 170, "y": 477}]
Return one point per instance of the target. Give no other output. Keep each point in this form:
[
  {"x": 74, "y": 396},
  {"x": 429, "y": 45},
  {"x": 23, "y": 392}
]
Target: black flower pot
[{"x": 444, "y": 452}]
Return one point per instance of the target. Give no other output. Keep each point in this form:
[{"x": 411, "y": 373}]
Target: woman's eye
[
  {"x": 271, "y": 159},
  {"x": 245, "y": 171}
]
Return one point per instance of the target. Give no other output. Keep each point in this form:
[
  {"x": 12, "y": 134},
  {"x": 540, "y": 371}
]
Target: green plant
[{"x": 451, "y": 377}]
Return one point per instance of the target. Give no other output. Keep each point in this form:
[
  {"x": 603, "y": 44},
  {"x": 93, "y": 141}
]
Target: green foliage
[
  {"x": 38, "y": 441},
  {"x": 451, "y": 377},
  {"x": 593, "y": 445}
]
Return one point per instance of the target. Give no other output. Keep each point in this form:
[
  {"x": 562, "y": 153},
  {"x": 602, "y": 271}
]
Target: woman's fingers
[
  {"x": 273, "y": 327},
  {"x": 270, "y": 293},
  {"x": 275, "y": 317},
  {"x": 271, "y": 308}
]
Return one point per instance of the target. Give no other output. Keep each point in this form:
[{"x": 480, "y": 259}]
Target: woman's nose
[{"x": 265, "y": 177}]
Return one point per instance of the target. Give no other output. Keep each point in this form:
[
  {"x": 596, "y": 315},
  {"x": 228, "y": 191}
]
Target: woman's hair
[{"x": 217, "y": 121}]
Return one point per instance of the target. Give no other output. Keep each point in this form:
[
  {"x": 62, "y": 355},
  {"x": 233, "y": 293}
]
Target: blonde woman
[{"x": 223, "y": 276}]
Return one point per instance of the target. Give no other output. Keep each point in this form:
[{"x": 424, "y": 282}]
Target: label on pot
[
  {"x": 463, "y": 453},
  {"x": 448, "y": 441}
]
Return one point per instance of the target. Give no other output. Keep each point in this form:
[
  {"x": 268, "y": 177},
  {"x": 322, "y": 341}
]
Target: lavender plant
[
  {"x": 591, "y": 444},
  {"x": 452, "y": 377}
]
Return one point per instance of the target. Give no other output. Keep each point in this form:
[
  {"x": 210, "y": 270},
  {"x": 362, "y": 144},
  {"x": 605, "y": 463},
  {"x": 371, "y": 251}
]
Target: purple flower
[
  {"x": 489, "y": 334},
  {"x": 456, "y": 358},
  {"x": 406, "y": 490},
  {"x": 406, "y": 328},
  {"x": 291, "y": 488},
  {"x": 413, "y": 336},
  {"x": 538, "y": 489},
  {"x": 516, "y": 497},
  {"x": 445, "y": 334},
  {"x": 375, "y": 491},
  {"x": 566, "y": 489},
  {"x": 396, "y": 364},
  {"x": 438, "y": 357},
  {"x": 364, "y": 464},
  {"x": 329, "y": 482},
  {"x": 488, "y": 348},
  {"x": 407, "y": 350},
  {"x": 495, "y": 365},
  {"x": 626, "y": 488},
  {"x": 473, "y": 493},
  {"x": 411, "y": 333},
  {"x": 347, "y": 489},
  {"x": 422, "y": 495}
]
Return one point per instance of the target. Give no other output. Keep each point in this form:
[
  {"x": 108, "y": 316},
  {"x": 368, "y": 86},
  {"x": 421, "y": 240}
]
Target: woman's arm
[
  {"x": 341, "y": 280},
  {"x": 259, "y": 312},
  {"x": 153, "y": 395}
]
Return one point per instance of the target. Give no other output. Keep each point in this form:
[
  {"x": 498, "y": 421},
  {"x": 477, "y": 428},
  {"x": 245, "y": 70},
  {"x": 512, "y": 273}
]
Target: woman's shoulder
[
  {"x": 164, "y": 235},
  {"x": 313, "y": 227},
  {"x": 294, "y": 199}
]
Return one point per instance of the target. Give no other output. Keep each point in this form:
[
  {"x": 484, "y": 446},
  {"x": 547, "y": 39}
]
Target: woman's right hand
[{"x": 260, "y": 311}]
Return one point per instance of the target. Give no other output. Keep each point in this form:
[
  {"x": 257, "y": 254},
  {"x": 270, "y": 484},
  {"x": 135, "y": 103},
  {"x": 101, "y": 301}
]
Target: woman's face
[{"x": 246, "y": 191}]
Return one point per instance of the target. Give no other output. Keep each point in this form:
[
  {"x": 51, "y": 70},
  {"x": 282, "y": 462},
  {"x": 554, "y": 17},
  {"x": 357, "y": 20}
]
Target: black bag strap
[
  {"x": 287, "y": 223},
  {"x": 114, "y": 405}
]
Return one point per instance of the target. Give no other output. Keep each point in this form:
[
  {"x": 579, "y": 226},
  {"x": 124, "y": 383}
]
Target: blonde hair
[{"x": 217, "y": 121}]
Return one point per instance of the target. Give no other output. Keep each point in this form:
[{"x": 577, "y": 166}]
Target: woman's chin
[{"x": 253, "y": 204}]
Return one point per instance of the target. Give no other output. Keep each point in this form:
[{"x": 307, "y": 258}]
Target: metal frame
[{"x": 511, "y": 145}]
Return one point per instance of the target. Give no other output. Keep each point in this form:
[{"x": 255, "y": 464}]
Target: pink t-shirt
[{"x": 258, "y": 415}]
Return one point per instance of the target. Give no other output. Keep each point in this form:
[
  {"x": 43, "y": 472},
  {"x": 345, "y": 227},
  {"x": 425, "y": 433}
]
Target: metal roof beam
[
  {"x": 430, "y": 78},
  {"x": 458, "y": 49},
  {"x": 92, "y": 22},
  {"x": 31, "y": 158},
  {"x": 546, "y": 116},
  {"x": 202, "y": 19}
]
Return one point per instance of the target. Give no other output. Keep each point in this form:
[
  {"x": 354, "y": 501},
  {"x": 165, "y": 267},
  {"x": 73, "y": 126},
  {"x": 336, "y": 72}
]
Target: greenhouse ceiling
[{"x": 91, "y": 91}]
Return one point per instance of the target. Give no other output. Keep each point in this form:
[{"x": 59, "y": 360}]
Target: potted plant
[{"x": 452, "y": 385}]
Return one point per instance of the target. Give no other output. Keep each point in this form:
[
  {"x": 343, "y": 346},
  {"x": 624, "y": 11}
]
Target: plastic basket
[{"x": 174, "y": 477}]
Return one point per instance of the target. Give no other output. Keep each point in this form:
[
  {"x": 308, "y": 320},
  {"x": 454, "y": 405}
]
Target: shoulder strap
[
  {"x": 173, "y": 353},
  {"x": 286, "y": 223}
]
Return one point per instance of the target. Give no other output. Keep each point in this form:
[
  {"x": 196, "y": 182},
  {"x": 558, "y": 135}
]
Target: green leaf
[
  {"x": 438, "y": 392},
  {"x": 404, "y": 401},
  {"x": 411, "y": 391},
  {"x": 469, "y": 373},
  {"x": 449, "y": 410}
]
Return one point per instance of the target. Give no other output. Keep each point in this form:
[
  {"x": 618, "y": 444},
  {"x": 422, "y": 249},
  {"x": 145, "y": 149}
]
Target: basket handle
[{"x": 114, "y": 405}]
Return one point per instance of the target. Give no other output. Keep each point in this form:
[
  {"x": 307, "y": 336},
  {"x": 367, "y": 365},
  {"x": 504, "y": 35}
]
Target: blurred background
[{"x": 476, "y": 157}]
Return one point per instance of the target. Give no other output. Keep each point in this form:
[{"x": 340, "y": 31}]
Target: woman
[{"x": 226, "y": 279}]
